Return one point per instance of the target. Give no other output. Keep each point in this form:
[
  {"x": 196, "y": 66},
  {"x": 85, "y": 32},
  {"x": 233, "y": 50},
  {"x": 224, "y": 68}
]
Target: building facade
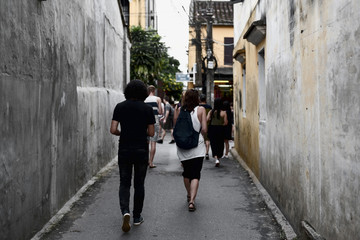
[
  {"x": 297, "y": 117},
  {"x": 143, "y": 13},
  {"x": 211, "y": 28},
  {"x": 63, "y": 68}
]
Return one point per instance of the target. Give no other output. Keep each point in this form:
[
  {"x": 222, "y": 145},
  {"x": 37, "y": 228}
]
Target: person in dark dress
[
  {"x": 228, "y": 127},
  {"x": 217, "y": 120},
  {"x": 136, "y": 120}
]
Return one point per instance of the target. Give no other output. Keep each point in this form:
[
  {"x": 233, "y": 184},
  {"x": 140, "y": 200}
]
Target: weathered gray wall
[
  {"x": 63, "y": 66},
  {"x": 309, "y": 147}
]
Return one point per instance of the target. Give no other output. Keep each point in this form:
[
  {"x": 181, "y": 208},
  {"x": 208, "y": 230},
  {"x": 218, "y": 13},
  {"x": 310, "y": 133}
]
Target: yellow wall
[
  {"x": 137, "y": 13},
  {"x": 192, "y": 48},
  {"x": 247, "y": 127},
  {"x": 219, "y": 33}
]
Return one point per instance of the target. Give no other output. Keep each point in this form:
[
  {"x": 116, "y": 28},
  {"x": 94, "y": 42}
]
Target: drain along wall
[
  {"x": 309, "y": 142},
  {"x": 63, "y": 66}
]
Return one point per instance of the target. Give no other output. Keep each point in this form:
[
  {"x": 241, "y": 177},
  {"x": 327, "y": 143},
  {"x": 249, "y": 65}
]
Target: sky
[{"x": 173, "y": 27}]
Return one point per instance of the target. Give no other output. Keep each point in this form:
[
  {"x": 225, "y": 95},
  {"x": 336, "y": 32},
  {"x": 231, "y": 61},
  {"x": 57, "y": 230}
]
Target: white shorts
[{"x": 156, "y": 135}]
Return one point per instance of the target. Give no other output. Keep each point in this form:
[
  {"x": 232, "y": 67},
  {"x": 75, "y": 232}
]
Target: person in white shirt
[
  {"x": 155, "y": 103},
  {"x": 192, "y": 159}
]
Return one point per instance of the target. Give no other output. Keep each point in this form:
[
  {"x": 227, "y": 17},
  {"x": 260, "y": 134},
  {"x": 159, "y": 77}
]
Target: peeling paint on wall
[{"x": 308, "y": 146}]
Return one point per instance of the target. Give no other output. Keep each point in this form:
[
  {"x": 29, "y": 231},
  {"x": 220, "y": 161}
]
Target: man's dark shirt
[
  {"x": 134, "y": 118},
  {"x": 206, "y": 106}
]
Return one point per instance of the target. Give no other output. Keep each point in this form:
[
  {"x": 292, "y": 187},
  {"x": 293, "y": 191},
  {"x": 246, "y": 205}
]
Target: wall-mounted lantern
[
  {"x": 240, "y": 55},
  {"x": 256, "y": 32}
]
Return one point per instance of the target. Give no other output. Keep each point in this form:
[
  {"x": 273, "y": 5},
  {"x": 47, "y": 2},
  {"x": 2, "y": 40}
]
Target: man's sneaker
[
  {"x": 217, "y": 163},
  {"x": 126, "y": 222},
  {"x": 172, "y": 141},
  {"x": 160, "y": 141},
  {"x": 138, "y": 221},
  {"x": 207, "y": 156}
]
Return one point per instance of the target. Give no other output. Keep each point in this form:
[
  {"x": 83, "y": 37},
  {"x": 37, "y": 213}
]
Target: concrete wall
[
  {"x": 309, "y": 140},
  {"x": 242, "y": 13},
  {"x": 63, "y": 67}
]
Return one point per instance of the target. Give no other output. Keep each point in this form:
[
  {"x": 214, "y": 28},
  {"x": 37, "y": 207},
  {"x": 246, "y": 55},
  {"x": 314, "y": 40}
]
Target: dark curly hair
[
  {"x": 190, "y": 100},
  {"x": 136, "y": 90},
  {"x": 226, "y": 106}
]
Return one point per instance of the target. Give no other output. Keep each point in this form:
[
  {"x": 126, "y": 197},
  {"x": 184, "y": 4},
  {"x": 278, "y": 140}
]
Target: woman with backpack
[
  {"x": 191, "y": 156},
  {"x": 217, "y": 119}
]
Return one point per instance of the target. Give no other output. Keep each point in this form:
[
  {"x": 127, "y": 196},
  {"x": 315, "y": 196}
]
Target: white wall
[
  {"x": 310, "y": 148},
  {"x": 242, "y": 12}
]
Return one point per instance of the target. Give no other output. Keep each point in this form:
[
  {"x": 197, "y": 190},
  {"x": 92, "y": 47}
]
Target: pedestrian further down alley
[{"x": 229, "y": 206}]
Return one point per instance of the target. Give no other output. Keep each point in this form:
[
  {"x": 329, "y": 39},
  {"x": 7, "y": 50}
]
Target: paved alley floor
[{"x": 229, "y": 206}]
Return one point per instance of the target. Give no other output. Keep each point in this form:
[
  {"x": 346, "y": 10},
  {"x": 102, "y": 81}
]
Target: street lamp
[{"x": 209, "y": 53}]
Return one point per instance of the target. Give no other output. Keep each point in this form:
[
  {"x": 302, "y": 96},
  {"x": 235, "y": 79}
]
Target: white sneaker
[
  {"x": 217, "y": 163},
  {"x": 126, "y": 222},
  {"x": 226, "y": 156}
]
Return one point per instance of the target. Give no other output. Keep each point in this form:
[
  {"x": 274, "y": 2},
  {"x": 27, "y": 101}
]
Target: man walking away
[
  {"x": 167, "y": 121},
  {"x": 136, "y": 121},
  {"x": 154, "y": 102},
  {"x": 160, "y": 118}
]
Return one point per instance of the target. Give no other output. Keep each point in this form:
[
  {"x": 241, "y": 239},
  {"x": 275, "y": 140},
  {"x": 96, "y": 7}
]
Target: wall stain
[{"x": 292, "y": 21}]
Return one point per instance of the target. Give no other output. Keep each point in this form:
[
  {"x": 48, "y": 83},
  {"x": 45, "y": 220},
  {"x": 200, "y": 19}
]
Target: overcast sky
[{"x": 173, "y": 27}]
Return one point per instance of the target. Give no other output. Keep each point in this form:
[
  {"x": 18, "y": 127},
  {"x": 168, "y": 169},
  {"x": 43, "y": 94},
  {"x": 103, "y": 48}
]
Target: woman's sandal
[{"x": 192, "y": 207}]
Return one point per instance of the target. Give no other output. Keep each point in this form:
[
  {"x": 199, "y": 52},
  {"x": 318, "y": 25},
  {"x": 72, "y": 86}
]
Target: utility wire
[
  {"x": 223, "y": 44},
  {"x": 172, "y": 3}
]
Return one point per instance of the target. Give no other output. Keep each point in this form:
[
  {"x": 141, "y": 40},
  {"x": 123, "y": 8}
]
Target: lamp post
[
  {"x": 198, "y": 79},
  {"x": 210, "y": 63}
]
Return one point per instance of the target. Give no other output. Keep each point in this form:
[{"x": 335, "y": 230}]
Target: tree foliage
[
  {"x": 168, "y": 76},
  {"x": 150, "y": 61}
]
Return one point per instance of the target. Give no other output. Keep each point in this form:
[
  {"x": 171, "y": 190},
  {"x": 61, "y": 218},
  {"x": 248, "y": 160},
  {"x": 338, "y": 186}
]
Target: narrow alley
[
  {"x": 287, "y": 72},
  {"x": 229, "y": 206}
]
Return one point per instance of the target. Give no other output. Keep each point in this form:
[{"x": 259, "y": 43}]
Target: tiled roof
[{"x": 222, "y": 11}]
